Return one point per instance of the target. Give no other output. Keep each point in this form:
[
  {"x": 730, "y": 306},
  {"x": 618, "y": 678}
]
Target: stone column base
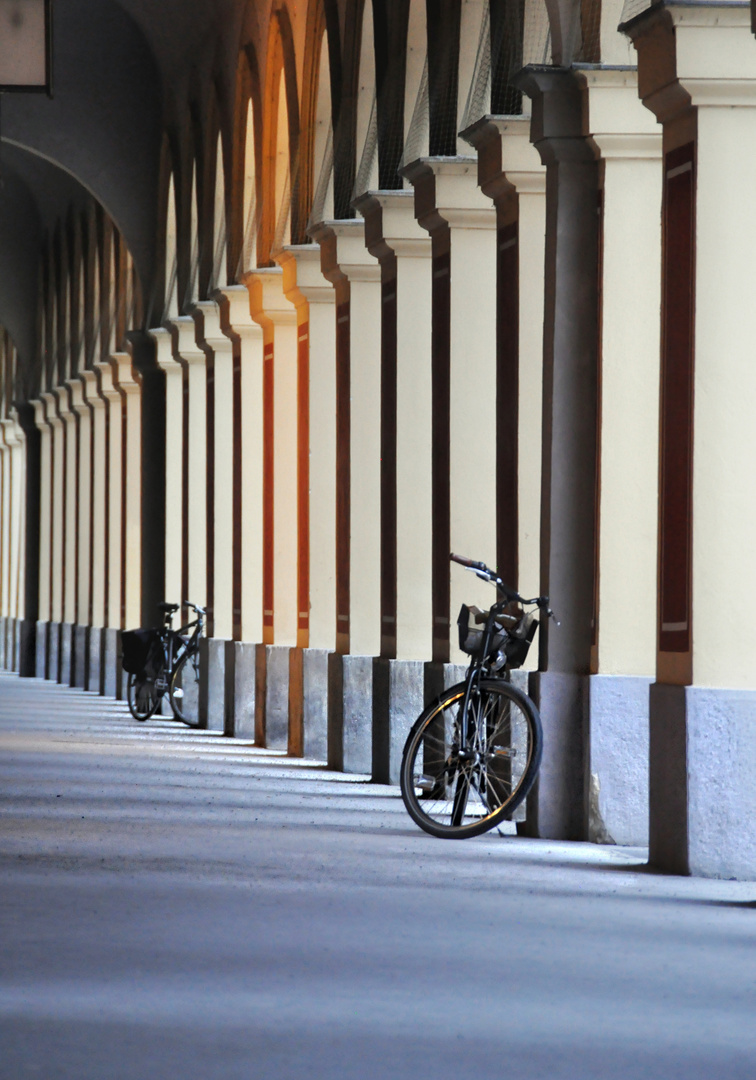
[
  {"x": 702, "y": 785},
  {"x": 242, "y": 716},
  {"x": 275, "y": 718},
  {"x": 616, "y": 761},
  {"x": 114, "y": 681},
  {"x": 80, "y": 660},
  {"x": 399, "y": 700},
  {"x": 350, "y": 713},
  {"x": 94, "y": 668},
  {"x": 212, "y": 695},
  {"x": 308, "y": 703},
  {"x": 53, "y": 651},
  {"x": 556, "y": 806},
  {"x": 3, "y": 649},
  {"x": 67, "y": 646},
  {"x": 41, "y": 634}
]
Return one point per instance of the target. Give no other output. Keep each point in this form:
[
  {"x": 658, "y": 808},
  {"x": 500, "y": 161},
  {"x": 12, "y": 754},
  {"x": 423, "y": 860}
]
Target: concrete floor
[{"x": 178, "y": 905}]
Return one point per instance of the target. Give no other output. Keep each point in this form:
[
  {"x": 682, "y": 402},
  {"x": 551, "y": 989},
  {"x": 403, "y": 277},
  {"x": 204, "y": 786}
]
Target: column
[
  {"x": 320, "y": 299},
  {"x": 129, "y": 385},
  {"x": 697, "y": 74},
  {"x": 113, "y": 598},
  {"x": 83, "y": 505},
  {"x": 30, "y": 556},
  {"x": 174, "y": 473},
  {"x": 278, "y": 319},
  {"x": 221, "y": 516},
  {"x": 70, "y": 437},
  {"x": 394, "y": 237},
  {"x": 99, "y": 509},
  {"x": 462, "y": 222},
  {"x": 557, "y": 809},
  {"x": 187, "y": 350},
  {"x": 344, "y": 256},
  {"x": 44, "y": 613},
  {"x": 57, "y": 502},
  {"x": 629, "y": 141}
]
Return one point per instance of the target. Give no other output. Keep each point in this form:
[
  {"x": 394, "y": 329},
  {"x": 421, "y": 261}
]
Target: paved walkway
[{"x": 174, "y": 904}]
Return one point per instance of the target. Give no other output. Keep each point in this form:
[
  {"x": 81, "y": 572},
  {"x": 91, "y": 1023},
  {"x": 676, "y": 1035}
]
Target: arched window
[
  {"x": 251, "y": 215},
  {"x": 322, "y": 207}
]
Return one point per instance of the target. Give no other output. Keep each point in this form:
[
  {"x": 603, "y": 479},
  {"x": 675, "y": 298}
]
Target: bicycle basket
[
  {"x": 142, "y": 653},
  {"x": 518, "y": 645},
  {"x": 471, "y": 637}
]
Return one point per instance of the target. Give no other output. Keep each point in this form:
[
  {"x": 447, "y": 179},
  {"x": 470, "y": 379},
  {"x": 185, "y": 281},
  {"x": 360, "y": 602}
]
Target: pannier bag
[{"x": 142, "y": 653}]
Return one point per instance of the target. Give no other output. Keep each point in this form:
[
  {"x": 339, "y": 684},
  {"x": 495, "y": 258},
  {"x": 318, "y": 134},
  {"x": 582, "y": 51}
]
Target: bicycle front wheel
[
  {"x": 184, "y": 691},
  {"x": 142, "y": 696},
  {"x": 454, "y": 794}
]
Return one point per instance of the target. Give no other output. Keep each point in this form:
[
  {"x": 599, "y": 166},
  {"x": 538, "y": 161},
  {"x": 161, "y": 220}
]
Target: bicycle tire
[
  {"x": 143, "y": 697},
  {"x": 184, "y": 689},
  {"x": 453, "y": 799}
]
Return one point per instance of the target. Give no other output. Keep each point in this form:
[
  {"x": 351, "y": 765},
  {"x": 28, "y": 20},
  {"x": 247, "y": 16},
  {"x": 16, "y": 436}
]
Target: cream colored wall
[
  {"x": 130, "y": 385},
  {"x": 112, "y": 398},
  {"x": 99, "y": 506},
  {"x": 189, "y": 352}
]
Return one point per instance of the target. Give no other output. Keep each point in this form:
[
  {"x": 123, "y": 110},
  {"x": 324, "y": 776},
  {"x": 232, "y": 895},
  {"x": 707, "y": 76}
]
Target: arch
[
  {"x": 219, "y": 278},
  {"x": 245, "y": 206},
  {"x": 280, "y": 165}
]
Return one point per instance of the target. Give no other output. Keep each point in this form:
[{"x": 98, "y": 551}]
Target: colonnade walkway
[{"x": 173, "y": 903}]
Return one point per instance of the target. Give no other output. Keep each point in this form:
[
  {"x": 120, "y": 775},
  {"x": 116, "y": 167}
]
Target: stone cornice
[{"x": 390, "y": 225}]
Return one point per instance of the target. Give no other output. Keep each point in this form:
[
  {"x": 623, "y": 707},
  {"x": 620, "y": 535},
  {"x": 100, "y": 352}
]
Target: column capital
[
  {"x": 693, "y": 54},
  {"x": 76, "y": 391},
  {"x": 390, "y": 225},
  {"x": 344, "y": 256},
  {"x": 310, "y": 280},
  {"x": 447, "y": 193},
  {"x": 240, "y": 320},
  {"x": 91, "y": 389},
  {"x": 185, "y": 343},
  {"x": 124, "y": 375},
  {"x": 210, "y": 327},
  {"x": 107, "y": 388},
  {"x": 556, "y": 126},
  {"x": 507, "y": 159},
  {"x": 40, "y": 413},
  {"x": 10, "y": 434},
  {"x": 164, "y": 350},
  {"x": 267, "y": 303}
]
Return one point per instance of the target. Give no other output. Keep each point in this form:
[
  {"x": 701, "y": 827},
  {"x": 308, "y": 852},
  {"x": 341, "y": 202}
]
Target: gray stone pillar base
[
  {"x": 275, "y": 720},
  {"x": 67, "y": 645},
  {"x": 245, "y": 690},
  {"x": 616, "y": 759},
  {"x": 80, "y": 660},
  {"x": 94, "y": 669},
  {"x": 308, "y": 703},
  {"x": 27, "y": 649},
  {"x": 3, "y": 646},
  {"x": 40, "y": 650},
  {"x": 114, "y": 681},
  {"x": 556, "y": 805},
  {"x": 212, "y": 695},
  {"x": 400, "y": 698},
  {"x": 350, "y": 713},
  {"x": 53, "y": 651},
  {"x": 702, "y": 783}
]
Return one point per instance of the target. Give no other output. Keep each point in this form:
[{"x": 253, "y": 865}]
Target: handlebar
[
  {"x": 486, "y": 574},
  {"x": 197, "y": 610}
]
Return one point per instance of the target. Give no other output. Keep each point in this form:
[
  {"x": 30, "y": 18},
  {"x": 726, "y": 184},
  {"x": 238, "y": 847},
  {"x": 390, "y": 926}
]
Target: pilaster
[
  {"x": 403, "y": 248},
  {"x": 113, "y": 577},
  {"x": 697, "y": 74},
  {"x": 174, "y": 457},
  {"x": 356, "y": 277},
  {"x": 129, "y": 385},
  {"x": 318, "y": 304}
]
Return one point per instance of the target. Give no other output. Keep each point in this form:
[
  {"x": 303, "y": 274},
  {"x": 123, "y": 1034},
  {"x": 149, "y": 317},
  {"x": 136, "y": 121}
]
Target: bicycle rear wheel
[
  {"x": 453, "y": 795},
  {"x": 184, "y": 690},
  {"x": 142, "y": 696}
]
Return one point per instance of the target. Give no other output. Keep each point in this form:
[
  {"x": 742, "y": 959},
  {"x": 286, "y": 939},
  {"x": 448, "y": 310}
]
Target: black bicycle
[
  {"x": 473, "y": 755},
  {"x": 162, "y": 661}
]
